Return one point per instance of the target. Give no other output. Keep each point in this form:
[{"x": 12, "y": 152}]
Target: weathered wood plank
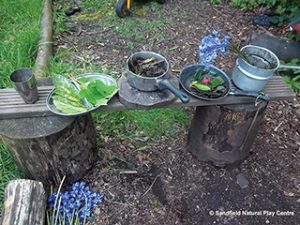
[
  {"x": 276, "y": 89},
  {"x": 24, "y": 203}
]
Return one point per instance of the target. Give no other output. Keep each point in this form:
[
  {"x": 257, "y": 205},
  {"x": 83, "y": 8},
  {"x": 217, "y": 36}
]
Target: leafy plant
[
  {"x": 294, "y": 83},
  {"x": 291, "y": 77},
  {"x": 286, "y": 9}
]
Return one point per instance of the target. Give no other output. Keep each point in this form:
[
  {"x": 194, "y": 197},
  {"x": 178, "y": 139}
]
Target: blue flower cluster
[
  {"x": 211, "y": 46},
  {"x": 78, "y": 202}
]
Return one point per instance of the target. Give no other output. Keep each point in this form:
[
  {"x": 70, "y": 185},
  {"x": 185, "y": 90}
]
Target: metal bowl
[{"x": 106, "y": 79}]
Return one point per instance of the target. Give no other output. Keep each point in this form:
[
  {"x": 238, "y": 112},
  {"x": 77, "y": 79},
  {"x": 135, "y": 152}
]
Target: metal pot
[
  {"x": 152, "y": 83},
  {"x": 253, "y": 78}
]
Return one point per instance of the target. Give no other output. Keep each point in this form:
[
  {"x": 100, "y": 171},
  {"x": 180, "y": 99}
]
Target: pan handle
[
  {"x": 165, "y": 84},
  {"x": 257, "y": 95},
  {"x": 289, "y": 67}
]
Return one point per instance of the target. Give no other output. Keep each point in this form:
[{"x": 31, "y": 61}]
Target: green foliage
[
  {"x": 8, "y": 170},
  {"x": 216, "y": 2},
  {"x": 291, "y": 77},
  {"x": 19, "y": 35},
  {"x": 294, "y": 83},
  {"x": 287, "y": 9},
  {"x": 97, "y": 93},
  {"x": 153, "y": 123}
]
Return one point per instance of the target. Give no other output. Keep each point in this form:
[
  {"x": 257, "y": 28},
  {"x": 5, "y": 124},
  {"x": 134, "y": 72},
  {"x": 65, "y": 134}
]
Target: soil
[{"x": 157, "y": 181}]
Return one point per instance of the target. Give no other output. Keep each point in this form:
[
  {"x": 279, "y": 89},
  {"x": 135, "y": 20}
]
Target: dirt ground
[{"x": 163, "y": 183}]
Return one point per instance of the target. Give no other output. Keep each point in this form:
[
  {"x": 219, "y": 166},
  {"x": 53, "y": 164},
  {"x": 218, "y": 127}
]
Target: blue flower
[
  {"x": 211, "y": 46},
  {"x": 80, "y": 200}
]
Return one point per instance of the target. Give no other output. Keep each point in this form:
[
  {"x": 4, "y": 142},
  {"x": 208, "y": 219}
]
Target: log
[
  {"x": 285, "y": 49},
  {"x": 45, "y": 44},
  {"x": 223, "y": 135},
  {"x": 24, "y": 203},
  {"x": 48, "y": 148}
]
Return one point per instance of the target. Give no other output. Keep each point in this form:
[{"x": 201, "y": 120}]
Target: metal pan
[
  {"x": 187, "y": 76},
  {"x": 152, "y": 83},
  {"x": 106, "y": 79}
]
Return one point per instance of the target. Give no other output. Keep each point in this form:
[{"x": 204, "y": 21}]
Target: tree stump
[
  {"x": 24, "y": 203},
  {"x": 132, "y": 97},
  {"x": 47, "y": 148},
  {"x": 224, "y": 135}
]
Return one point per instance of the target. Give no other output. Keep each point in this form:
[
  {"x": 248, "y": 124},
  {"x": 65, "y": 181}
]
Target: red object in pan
[{"x": 187, "y": 77}]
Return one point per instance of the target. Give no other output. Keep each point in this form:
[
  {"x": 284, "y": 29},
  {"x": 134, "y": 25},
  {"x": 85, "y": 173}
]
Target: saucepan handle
[
  {"x": 289, "y": 67},
  {"x": 163, "y": 84},
  {"x": 257, "y": 95}
]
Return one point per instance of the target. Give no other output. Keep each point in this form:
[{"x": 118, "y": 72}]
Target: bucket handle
[{"x": 289, "y": 67}]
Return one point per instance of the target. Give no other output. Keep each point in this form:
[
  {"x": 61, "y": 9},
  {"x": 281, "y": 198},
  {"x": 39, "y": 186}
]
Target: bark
[
  {"x": 47, "y": 154},
  {"x": 24, "y": 203},
  {"x": 45, "y": 44},
  {"x": 224, "y": 135}
]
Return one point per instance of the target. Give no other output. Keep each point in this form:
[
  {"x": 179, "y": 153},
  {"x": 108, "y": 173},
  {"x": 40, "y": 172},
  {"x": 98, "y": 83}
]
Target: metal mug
[{"x": 24, "y": 82}]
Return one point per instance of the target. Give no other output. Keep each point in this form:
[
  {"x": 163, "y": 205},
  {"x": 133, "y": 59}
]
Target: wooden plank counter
[{"x": 12, "y": 105}]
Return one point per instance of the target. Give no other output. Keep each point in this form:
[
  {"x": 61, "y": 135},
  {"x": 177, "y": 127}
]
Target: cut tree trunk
[
  {"x": 48, "y": 148},
  {"x": 24, "y": 203},
  {"x": 223, "y": 135}
]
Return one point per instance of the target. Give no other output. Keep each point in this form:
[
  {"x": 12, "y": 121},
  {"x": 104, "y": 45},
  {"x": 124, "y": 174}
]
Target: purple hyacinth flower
[{"x": 211, "y": 46}]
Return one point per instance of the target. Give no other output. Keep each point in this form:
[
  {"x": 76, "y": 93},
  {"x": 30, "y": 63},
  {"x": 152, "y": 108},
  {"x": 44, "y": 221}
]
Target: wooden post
[
  {"x": 47, "y": 148},
  {"x": 24, "y": 203},
  {"x": 45, "y": 44},
  {"x": 224, "y": 135}
]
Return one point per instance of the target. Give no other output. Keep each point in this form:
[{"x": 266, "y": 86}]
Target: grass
[
  {"x": 104, "y": 12},
  {"x": 19, "y": 35},
  {"x": 8, "y": 170},
  {"x": 153, "y": 123}
]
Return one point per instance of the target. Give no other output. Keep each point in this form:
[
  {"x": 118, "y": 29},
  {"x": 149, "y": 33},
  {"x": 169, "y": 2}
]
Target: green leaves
[
  {"x": 89, "y": 93},
  {"x": 217, "y": 81},
  {"x": 293, "y": 83},
  {"x": 97, "y": 93},
  {"x": 200, "y": 87},
  {"x": 209, "y": 84}
]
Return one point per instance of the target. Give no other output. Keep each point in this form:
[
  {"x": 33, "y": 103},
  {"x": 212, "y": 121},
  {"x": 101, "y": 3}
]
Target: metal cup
[{"x": 25, "y": 84}]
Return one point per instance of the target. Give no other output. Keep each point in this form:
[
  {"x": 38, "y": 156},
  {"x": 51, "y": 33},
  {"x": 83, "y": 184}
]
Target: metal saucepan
[
  {"x": 187, "y": 76},
  {"x": 253, "y": 78},
  {"x": 160, "y": 82}
]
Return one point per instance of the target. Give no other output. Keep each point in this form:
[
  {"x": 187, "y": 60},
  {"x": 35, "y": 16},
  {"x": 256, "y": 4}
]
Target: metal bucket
[{"x": 253, "y": 78}]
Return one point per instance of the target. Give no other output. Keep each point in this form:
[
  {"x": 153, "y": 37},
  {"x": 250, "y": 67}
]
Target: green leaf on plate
[{"x": 67, "y": 108}]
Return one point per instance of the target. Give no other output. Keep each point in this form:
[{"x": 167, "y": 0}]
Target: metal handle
[
  {"x": 289, "y": 67},
  {"x": 257, "y": 95},
  {"x": 165, "y": 84}
]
